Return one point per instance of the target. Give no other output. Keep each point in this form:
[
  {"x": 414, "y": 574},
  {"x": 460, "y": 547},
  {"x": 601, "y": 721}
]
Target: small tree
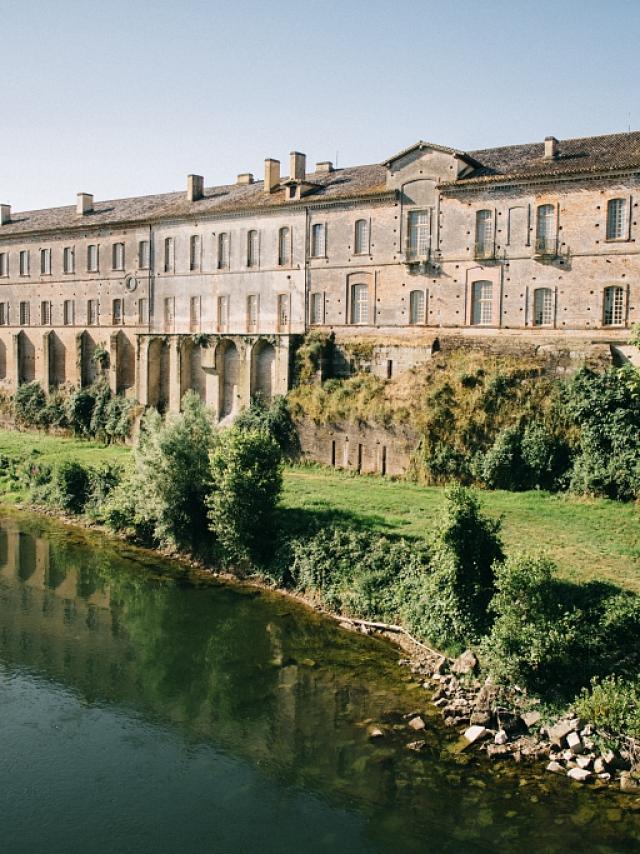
[{"x": 246, "y": 481}]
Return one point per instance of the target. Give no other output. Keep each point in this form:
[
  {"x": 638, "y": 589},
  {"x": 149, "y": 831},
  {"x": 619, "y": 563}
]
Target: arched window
[
  {"x": 223, "y": 250},
  {"x": 416, "y": 307},
  {"x": 613, "y": 314},
  {"x": 252, "y": 248},
  {"x": 484, "y": 233},
  {"x": 194, "y": 252},
  {"x": 359, "y": 304},
  {"x": 284, "y": 246},
  {"x": 361, "y": 237},
  {"x": 545, "y": 228},
  {"x": 542, "y": 307},
  {"x": 616, "y": 219},
  {"x": 482, "y": 303}
]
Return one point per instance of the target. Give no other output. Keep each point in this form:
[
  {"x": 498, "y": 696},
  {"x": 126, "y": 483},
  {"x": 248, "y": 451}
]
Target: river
[{"x": 140, "y": 712}]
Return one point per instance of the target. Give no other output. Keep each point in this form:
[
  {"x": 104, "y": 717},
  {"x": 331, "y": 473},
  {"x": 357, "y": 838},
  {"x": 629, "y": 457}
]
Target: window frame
[
  {"x": 622, "y": 221},
  {"x": 356, "y": 304},
  {"x": 4, "y": 265},
  {"x": 616, "y": 308},
  {"x": 24, "y": 262},
  {"x": 4, "y": 314},
  {"x": 316, "y": 319},
  {"x": 117, "y": 311},
  {"x": 418, "y": 318},
  {"x": 546, "y": 243},
  {"x": 318, "y": 228},
  {"x": 46, "y": 312},
  {"x": 419, "y": 233},
  {"x": 253, "y": 248},
  {"x": 144, "y": 254},
  {"x": 480, "y": 302},
  {"x": 68, "y": 260},
  {"x": 45, "y": 262},
  {"x": 93, "y": 312},
  {"x": 195, "y": 253},
  {"x": 545, "y": 310},
  {"x": 118, "y": 256},
  {"x": 24, "y": 313},
  {"x": 253, "y": 317},
  {"x": 69, "y": 316},
  {"x": 284, "y": 243},
  {"x": 93, "y": 263},
  {"x": 361, "y": 242},
  {"x": 224, "y": 250},
  {"x": 222, "y": 312},
  {"x": 485, "y": 233},
  {"x": 169, "y": 255}
]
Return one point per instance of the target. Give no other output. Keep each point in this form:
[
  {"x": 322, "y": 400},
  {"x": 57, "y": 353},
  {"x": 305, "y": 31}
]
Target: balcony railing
[
  {"x": 546, "y": 247},
  {"x": 484, "y": 251}
]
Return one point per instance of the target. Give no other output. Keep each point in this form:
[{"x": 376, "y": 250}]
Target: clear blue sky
[{"x": 125, "y": 98}]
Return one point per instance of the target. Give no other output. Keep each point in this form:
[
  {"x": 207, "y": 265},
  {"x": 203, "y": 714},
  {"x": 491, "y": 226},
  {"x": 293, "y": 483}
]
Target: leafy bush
[
  {"x": 102, "y": 481},
  {"x": 272, "y": 416},
  {"x": 246, "y": 481},
  {"x": 612, "y": 704},
  {"x": 64, "y": 486},
  {"x": 524, "y": 459},
  {"x": 29, "y": 403},
  {"x": 80, "y": 410}
]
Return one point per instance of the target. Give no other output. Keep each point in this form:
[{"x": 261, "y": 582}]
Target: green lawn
[{"x": 586, "y": 538}]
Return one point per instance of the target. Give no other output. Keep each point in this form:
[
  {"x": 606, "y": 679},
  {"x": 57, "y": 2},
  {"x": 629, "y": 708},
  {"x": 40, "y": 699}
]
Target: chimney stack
[
  {"x": 324, "y": 166},
  {"x": 195, "y": 187},
  {"x": 550, "y": 148},
  {"x": 5, "y": 214},
  {"x": 298, "y": 166},
  {"x": 245, "y": 178},
  {"x": 84, "y": 205},
  {"x": 271, "y": 175}
]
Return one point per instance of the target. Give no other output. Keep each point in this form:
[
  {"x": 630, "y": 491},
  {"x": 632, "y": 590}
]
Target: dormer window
[{"x": 292, "y": 191}]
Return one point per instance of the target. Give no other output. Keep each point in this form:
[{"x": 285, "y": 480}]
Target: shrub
[
  {"x": 246, "y": 481},
  {"x": 272, "y": 416},
  {"x": 529, "y": 458},
  {"x": 502, "y": 467},
  {"x": 102, "y": 481},
  {"x": 64, "y": 486},
  {"x": 79, "y": 410},
  {"x": 612, "y": 704},
  {"x": 29, "y": 404}
]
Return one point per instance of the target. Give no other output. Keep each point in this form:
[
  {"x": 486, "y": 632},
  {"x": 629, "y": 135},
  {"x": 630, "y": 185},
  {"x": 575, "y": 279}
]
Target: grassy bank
[{"x": 587, "y": 538}]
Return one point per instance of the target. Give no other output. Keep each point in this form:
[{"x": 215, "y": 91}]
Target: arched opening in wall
[
  {"x": 228, "y": 363},
  {"x": 125, "y": 362},
  {"x": 26, "y": 359},
  {"x": 89, "y": 370},
  {"x": 263, "y": 365},
  {"x": 191, "y": 374},
  {"x": 57, "y": 361},
  {"x": 158, "y": 373},
  {"x": 3, "y": 360}
]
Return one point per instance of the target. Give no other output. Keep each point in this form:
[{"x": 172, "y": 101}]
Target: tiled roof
[
  {"x": 353, "y": 182},
  {"x": 575, "y": 156}
]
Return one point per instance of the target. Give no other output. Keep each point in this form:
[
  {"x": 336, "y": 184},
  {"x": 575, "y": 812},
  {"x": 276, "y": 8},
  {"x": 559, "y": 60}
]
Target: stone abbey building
[{"x": 210, "y": 288}]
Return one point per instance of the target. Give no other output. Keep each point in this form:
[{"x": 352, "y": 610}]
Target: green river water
[{"x": 142, "y": 713}]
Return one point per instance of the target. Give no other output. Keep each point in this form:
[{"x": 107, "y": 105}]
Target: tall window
[
  {"x": 252, "y": 248},
  {"x": 283, "y": 311},
  {"x": 68, "y": 312},
  {"x": 223, "y": 313},
  {"x": 194, "y": 314},
  {"x": 45, "y": 262},
  {"x": 359, "y": 304},
  {"x": 45, "y": 313},
  {"x": 25, "y": 314},
  {"x": 317, "y": 306},
  {"x": 361, "y": 237},
  {"x": 194, "y": 252},
  {"x": 545, "y": 228},
  {"x": 419, "y": 241},
  {"x": 4, "y": 313},
  {"x": 169, "y": 313},
  {"x": 24, "y": 262},
  {"x": 92, "y": 258},
  {"x": 4, "y": 263},
  {"x": 169, "y": 255},
  {"x": 223, "y": 251},
  {"x": 318, "y": 240},
  {"x": 144, "y": 254},
  {"x": 542, "y": 307},
  {"x": 68, "y": 259},
  {"x": 416, "y": 307},
  {"x": 484, "y": 233},
  {"x": 252, "y": 313},
  {"x": 482, "y": 303},
  {"x": 142, "y": 311},
  {"x": 117, "y": 256},
  {"x": 613, "y": 306},
  {"x": 616, "y": 219},
  {"x": 92, "y": 312},
  {"x": 117, "y": 312},
  {"x": 284, "y": 246}
]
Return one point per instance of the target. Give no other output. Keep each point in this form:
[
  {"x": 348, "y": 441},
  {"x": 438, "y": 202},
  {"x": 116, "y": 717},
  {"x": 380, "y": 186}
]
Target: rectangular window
[
  {"x": 169, "y": 313},
  {"x": 68, "y": 312},
  {"x": 4, "y": 263},
  {"x": 68, "y": 259},
  {"x": 142, "y": 311},
  {"x": 283, "y": 311},
  {"x": 318, "y": 240},
  {"x": 359, "y": 304},
  {"x": 252, "y": 313},
  {"x": 482, "y": 303},
  {"x": 24, "y": 314},
  {"x": 616, "y": 219},
  {"x": 223, "y": 251},
  {"x": 361, "y": 237},
  {"x": 542, "y": 307},
  {"x": 194, "y": 314},
  {"x": 45, "y": 262},
  {"x": 24, "y": 262},
  {"x": 419, "y": 237},
  {"x": 117, "y": 256},
  {"x": 223, "y": 313},
  {"x": 194, "y": 252},
  {"x": 4, "y": 313},
  {"x": 45, "y": 313},
  {"x": 546, "y": 229},
  {"x": 117, "y": 312},
  {"x": 317, "y": 308},
  {"x": 144, "y": 254},
  {"x": 284, "y": 247},
  {"x": 417, "y": 304},
  {"x": 169, "y": 255},
  {"x": 484, "y": 234},
  {"x": 613, "y": 306},
  {"x": 92, "y": 312},
  {"x": 252, "y": 248},
  {"x": 92, "y": 258}
]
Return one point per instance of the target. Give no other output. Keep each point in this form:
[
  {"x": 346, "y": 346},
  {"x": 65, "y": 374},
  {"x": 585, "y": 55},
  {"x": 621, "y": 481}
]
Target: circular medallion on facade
[{"x": 131, "y": 283}]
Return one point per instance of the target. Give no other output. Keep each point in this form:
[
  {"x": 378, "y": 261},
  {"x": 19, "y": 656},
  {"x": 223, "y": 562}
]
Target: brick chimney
[
  {"x": 298, "y": 166},
  {"x": 271, "y": 175},
  {"x": 84, "y": 205},
  {"x": 550, "y": 148},
  {"x": 5, "y": 214},
  {"x": 195, "y": 187},
  {"x": 324, "y": 166},
  {"x": 245, "y": 178}
]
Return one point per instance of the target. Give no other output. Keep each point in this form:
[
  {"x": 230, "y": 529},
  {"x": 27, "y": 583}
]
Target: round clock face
[{"x": 131, "y": 283}]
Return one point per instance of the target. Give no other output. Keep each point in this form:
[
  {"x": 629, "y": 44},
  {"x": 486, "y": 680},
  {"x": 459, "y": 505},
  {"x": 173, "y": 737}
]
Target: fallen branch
[{"x": 389, "y": 627}]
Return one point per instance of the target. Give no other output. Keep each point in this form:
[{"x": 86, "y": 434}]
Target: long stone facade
[{"x": 210, "y": 289}]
